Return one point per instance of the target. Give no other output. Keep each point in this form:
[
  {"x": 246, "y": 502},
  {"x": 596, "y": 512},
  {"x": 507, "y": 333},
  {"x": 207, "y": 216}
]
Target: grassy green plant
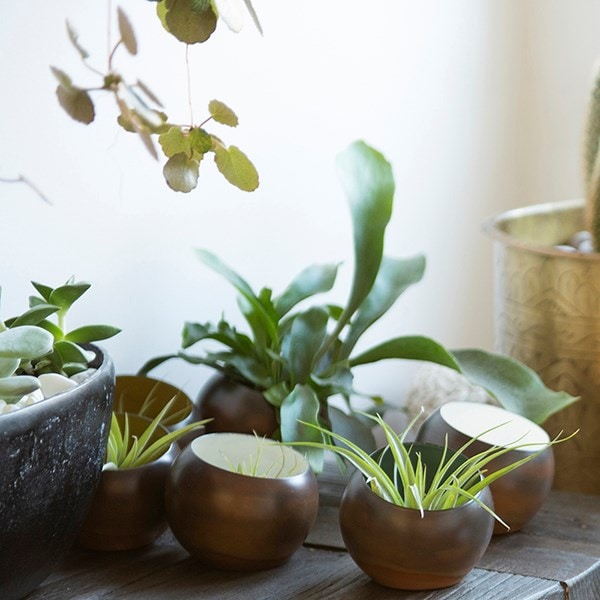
[
  {"x": 456, "y": 479},
  {"x": 126, "y": 451},
  {"x": 300, "y": 357},
  {"x": 252, "y": 465}
]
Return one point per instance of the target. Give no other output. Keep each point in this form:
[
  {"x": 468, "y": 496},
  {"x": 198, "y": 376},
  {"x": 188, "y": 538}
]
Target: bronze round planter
[
  {"x": 240, "y": 522},
  {"x": 128, "y": 508},
  {"x": 399, "y": 549},
  {"x": 548, "y": 316},
  {"x": 517, "y": 495},
  {"x": 51, "y": 460},
  {"x": 236, "y": 408},
  {"x": 147, "y": 396}
]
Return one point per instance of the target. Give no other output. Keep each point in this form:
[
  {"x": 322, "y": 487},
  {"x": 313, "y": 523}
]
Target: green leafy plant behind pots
[{"x": 300, "y": 357}]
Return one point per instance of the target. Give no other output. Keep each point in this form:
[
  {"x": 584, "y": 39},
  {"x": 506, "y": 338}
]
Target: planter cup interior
[{"x": 249, "y": 455}]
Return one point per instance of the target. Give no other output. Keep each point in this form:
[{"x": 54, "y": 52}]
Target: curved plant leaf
[
  {"x": 77, "y": 103},
  {"x": 299, "y": 409},
  {"x": 236, "y": 167},
  {"x": 412, "y": 347},
  {"x": 126, "y": 31},
  {"x": 367, "y": 179},
  {"x": 301, "y": 345},
  {"x": 313, "y": 280},
  {"x": 221, "y": 113},
  {"x": 517, "y": 387},
  {"x": 394, "y": 277},
  {"x": 91, "y": 333},
  {"x": 25, "y": 342},
  {"x": 13, "y": 389},
  {"x": 65, "y": 295}
]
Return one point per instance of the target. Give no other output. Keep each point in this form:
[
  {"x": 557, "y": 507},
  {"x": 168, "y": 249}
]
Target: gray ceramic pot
[{"x": 51, "y": 455}]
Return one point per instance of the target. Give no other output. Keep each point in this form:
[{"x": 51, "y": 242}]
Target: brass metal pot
[{"x": 548, "y": 316}]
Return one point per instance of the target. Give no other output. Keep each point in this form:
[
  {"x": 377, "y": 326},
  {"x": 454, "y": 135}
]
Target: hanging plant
[{"x": 141, "y": 112}]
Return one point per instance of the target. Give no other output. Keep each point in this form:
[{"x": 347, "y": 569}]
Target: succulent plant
[
  {"x": 31, "y": 344},
  {"x": 26, "y": 343}
]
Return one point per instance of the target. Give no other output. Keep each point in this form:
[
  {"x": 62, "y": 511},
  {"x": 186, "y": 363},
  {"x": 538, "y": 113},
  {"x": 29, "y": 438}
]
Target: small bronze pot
[
  {"x": 241, "y": 522},
  {"x": 235, "y": 408},
  {"x": 399, "y": 549},
  {"x": 519, "y": 494},
  {"x": 147, "y": 396},
  {"x": 128, "y": 508}
]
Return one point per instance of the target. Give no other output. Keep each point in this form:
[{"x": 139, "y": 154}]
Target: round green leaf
[
  {"x": 91, "y": 333},
  {"x": 26, "y": 342},
  {"x": 174, "y": 141},
  {"x": 221, "y": 113},
  {"x": 126, "y": 31},
  {"x": 181, "y": 173},
  {"x": 77, "y": 103},
  {"x": 235, "y": 166},
  {"x": 14, "y": 388},
  {"x": 190, "y": 21},
  {"x": 200, "y": 141}
]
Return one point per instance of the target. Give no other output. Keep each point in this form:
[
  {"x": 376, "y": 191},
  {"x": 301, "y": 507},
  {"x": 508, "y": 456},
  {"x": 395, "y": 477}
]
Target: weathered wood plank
[
  {"x": 311, "y": 574},
  {"x": 556, "y": 557}
]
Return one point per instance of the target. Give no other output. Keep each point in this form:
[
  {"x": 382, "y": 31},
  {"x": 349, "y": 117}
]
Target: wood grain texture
[{"x": 555, "y": 557}]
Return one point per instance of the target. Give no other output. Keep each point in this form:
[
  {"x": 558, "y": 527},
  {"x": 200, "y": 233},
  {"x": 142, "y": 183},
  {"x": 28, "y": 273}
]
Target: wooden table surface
[{"x": 555, "y": 557}]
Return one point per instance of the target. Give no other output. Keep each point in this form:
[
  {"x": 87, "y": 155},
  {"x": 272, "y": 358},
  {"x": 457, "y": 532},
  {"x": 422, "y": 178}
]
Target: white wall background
[{"x": 478, "y": 104}]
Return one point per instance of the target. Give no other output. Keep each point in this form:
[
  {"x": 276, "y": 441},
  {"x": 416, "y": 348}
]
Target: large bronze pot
[
  {"x": 240, "y": 502},
  {"x": 548, "y": 316}
]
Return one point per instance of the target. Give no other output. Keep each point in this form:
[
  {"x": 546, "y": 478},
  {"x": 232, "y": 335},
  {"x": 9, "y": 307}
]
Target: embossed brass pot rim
[{"x": 497, "y": 227}]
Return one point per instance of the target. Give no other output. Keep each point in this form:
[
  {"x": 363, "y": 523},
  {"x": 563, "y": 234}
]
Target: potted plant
[
  {"x": 298, "y": 358},
  {"x": 419, "y": 516},
  {"x": 51, "y": 447},
  {"x": 127, "y": 510},
  {"x": 547, "y": 309},
  {"x": 241, "y": 502}
]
